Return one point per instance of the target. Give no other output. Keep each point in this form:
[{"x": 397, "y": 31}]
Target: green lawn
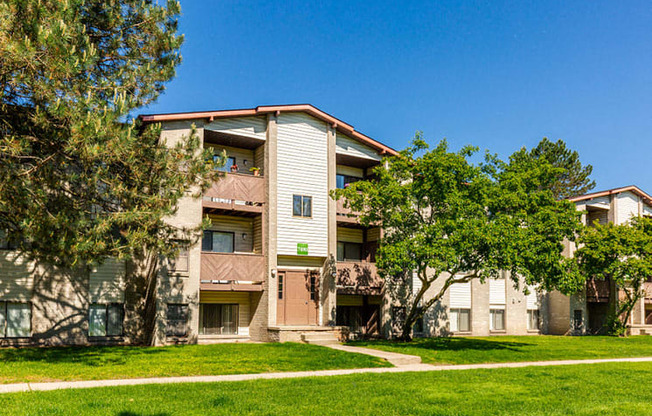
[
  {"x": 93, "y": 363},
  {"x": 474, "y": 350},
  {"x": 614, "y": 389}
]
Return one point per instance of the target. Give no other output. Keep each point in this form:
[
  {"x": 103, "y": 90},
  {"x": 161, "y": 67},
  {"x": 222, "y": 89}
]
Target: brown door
[{"x": 298, "y": 302}]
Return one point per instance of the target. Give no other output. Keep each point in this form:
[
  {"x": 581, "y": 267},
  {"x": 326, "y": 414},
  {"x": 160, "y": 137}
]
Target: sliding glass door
[{"x": 219, "y": 319}]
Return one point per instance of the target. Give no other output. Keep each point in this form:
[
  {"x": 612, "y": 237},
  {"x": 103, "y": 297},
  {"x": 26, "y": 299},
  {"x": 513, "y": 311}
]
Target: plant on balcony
[
  {"x": 255, "y": 170},
  {"x": 234, "y": 168},
  {"x": 447, "y": 221}
]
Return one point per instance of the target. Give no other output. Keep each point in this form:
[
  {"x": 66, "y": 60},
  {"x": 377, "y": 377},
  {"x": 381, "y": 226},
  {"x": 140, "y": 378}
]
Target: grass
[
  {"x": 614, "y": 389},
  {"x": 94, "y": 363},
  {"x": 475, "y": 350}
]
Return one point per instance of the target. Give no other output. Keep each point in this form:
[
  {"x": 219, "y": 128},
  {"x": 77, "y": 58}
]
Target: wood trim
[
  {"x": 632, "y": 188},
  {"x": 276, "y": 109}
]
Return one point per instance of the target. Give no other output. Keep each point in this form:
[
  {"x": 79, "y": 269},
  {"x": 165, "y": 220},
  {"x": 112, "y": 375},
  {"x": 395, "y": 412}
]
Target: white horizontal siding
[
  {"x": 349, "y": 235},
  {"x": 497, "y": 292},
  {"x": 532, "y": 299},
  {"x": 302, "y": 169},
  {"x": 647, "y": 210},
  {"x": 627, "y": 207},
  {"x": 107, "y": 282},
  {"x": 16, "y": 277},
  {"x": 350, "y": 171},
  {"x": 255, "y": 127},
  {"x": 460, "y": 295},
  {"x": 351, "y": 147},
  {"x": 417, "y": 284}
]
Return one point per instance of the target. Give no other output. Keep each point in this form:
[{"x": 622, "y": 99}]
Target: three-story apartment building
[{"x": 281, "y": 259}]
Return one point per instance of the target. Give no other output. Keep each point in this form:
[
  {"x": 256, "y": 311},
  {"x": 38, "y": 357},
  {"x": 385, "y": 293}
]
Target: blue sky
[{"x": 498, "y": 75}]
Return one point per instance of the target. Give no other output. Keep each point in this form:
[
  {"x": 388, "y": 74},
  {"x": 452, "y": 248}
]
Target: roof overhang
[
  {"x": 277, "y": 109},
  {"x": 631, "y": 188}
]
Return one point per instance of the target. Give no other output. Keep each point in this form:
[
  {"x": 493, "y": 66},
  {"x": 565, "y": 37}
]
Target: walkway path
[{"x": 11, "y": 388}]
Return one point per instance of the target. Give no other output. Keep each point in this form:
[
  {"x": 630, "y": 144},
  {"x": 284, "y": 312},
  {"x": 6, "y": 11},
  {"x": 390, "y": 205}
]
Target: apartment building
[
  {"x": 586, "y": 312},
  {"x": 281, "y": 260}
]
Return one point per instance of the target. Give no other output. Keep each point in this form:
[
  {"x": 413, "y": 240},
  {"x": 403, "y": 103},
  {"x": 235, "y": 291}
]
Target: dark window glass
[
  {"x": 313, "y": 286},
  {"x": 577, "y": 319},
  {"x": 342, "y": 181},
  {"x": 349, "y": 251},
  {"x": 296, "y": 205},
  {"x": 301, "y": 206},
  {"x": 218, "y": 241},
  {"x": 177, "y": 320},
  {"x": 280, "y": 286},
  {"x": 230, "y": 161},
  {"x": 219, "y": 319}
]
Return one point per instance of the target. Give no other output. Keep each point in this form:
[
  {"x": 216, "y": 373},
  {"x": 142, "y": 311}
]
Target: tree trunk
[{"x": 140, "y": 298}]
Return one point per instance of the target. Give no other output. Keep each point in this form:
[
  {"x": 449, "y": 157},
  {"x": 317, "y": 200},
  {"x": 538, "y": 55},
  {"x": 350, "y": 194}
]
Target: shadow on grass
[
  {"x": 448, "y": 344},
  {"x": 84, "y": 355},
  {"x": 127, "y": 413}
]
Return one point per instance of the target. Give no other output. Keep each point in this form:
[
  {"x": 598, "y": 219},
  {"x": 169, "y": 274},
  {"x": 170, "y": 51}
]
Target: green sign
[{"x": 302, "y": 249}]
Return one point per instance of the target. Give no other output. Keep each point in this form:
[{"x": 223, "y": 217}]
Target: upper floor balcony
[
  {"x": 232, "y": 271},
  {"x": 236, "y": 191},
  {"x": 356, "y": 256},
  {"x": 598, "y": 290}
]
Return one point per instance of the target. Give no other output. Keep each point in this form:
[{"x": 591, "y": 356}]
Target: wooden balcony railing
[
  {"x": 355, "y": 277},
  {"x": 232, "y": 271},
  {"x": 345, "y": 214},
  {"x": 236, "y": 191}
]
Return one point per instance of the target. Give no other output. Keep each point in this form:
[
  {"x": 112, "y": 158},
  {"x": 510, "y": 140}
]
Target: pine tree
[{"x": 80, "y": 180}]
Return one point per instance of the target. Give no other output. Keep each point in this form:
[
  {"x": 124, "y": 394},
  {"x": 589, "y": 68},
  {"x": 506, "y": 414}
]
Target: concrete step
[{"x": 320, "y": 338}]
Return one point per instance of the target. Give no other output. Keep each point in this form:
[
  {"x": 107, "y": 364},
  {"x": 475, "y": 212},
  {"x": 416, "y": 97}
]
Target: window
[
  {"x": 349, "y": 251},
  {"x": 219, "y": 319},
  {"x": 230, "y": 161},
  {"x": 105, "y": 320},
  {"x": 301, "y": 206},
  {"x": 280, "y": 286},
  {"x": 533, "y": 319},
  {"x": 342, "y": 181},
  {"x": 5, "y": 244},
  {"x": 497, "y": 319},
  {"x": 313, "y": 286},
  {"x": 577, "y": 319},
  {"x": 15, "y": 319},
  {"x": 460, "y": 320},
  {"x": 180, "y": 263},
  {"x": 218, "y": 241},
  {"x": 177, "y": 320}
]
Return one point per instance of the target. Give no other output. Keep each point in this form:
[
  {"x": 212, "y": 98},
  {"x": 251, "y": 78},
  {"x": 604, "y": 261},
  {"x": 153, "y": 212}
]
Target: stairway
[{"x": 320, "y": 338}]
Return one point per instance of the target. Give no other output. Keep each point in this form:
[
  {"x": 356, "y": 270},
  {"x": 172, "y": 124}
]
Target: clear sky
[{"x": 498, "y": 75}]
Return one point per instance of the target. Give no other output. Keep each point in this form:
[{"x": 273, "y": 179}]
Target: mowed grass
[
  {"x": 593, "y": 389},
  {"x": 94, "y": 363},
  {"x": 499, "y": 349}
]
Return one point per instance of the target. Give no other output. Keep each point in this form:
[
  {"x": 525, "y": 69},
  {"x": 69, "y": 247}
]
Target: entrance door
[
  {"x": 597, "y": 316},
  {"x": 298, "y": 302}
]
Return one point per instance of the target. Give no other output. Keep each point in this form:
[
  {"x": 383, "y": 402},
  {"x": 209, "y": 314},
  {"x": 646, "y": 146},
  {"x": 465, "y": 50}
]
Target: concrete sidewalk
[{"x": 23, "y": 387}]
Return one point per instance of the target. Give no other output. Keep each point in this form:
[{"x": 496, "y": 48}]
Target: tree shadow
[
  {"x": 82, "y": 355},
  {"x": 450, "y": 344}
]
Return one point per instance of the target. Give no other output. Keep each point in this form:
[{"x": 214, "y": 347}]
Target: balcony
[
  {"x": 598, "y": 290},
  {"x": 358, "y": 277},
  {"x": 236, "y": 192},
  {"x": 232, "y": 271},
  {"x": 345, "y": 215}
]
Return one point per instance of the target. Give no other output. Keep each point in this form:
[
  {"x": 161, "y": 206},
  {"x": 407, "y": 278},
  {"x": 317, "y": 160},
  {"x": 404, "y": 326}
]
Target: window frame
[
  {"x": 344, "y": 180},
  {"x": 221, "y": 307},
  {"x": 458, "y": 312},
  {"x": 492, "y": 317},
  {"x": 4, "y": 305},
  {"x": 530, "y": 320},
  {"x": 232, "y": 233},
  {"x": 281, "y": 287},
  {"x": 226, "y": 167},
  {"x": 167, "y": 320},
  {"x": 118, "y": 306},
  {"x": 344, "y": 251},
  {"x": 302, "y": 205}
]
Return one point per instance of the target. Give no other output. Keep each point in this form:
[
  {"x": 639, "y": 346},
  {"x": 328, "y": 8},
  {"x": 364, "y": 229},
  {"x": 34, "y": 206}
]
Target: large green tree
[
  {"x": 80, "y": 181},
  {"x": 621, "y": 254},
  {"x": 448, "y": 220},
  {"x": 572, "y": 178}
]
